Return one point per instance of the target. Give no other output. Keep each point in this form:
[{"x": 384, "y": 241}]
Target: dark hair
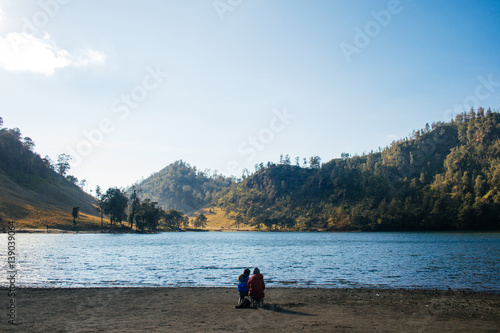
[
  {"x": 246, "y": 272},
  {"x": 256, "y": 270},
  {"x": 241, "y": 277}
]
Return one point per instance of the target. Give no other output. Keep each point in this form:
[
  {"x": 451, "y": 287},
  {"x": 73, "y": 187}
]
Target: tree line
[{"x": 144, "y": 214}]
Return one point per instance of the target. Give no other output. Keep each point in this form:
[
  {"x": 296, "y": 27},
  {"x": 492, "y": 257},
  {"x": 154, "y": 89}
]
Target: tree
[
  {"x": 174, "y": 219},
  {"x": 480, "y": 112},
  {"x": 115, "y": 204},
  {"x": 200, "y": 221},
  {"x": 238, "y": 220},
  {"x": 148, "y": 215},
  {"x": 185, "y": 221},
  {"x": 135, "y": 203},
  {"x": 288, "y": 223},
  {"x": 1, "y": 122},
  {"x": 62, "y": 166},
  {"x": 345, "y": 156},
  {"x": 287, "y": 160},
  {"x": 28, "y": 143},
  {"x": 74, "y": 213},
  {"x": 479, "y": 186},
  {"x": 100, "y": 203},
  {"x": 258, "y": 221},
  {"x": 72, "y": 179},
  {"x": 315, "y": 162},
  {"x": 48, "y": 162}
]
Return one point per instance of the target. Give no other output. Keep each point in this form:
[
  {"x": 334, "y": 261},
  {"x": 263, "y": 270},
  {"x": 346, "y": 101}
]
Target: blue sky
[{"x": 128, "y": 87}]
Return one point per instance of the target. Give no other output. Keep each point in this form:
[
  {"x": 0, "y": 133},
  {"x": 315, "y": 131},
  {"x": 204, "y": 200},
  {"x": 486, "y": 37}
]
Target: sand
[{"x": 285, "y": 310}]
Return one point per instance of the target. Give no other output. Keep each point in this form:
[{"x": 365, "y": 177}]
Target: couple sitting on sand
[{"x": 251, "y": 286}]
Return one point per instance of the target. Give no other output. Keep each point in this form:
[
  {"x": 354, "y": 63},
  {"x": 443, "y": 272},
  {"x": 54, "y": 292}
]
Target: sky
[{"x": 128, "y": 87}]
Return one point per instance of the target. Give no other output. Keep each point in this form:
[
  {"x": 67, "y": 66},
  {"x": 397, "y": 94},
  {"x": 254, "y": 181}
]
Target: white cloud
[
  {"x": 92, "y": 57},
  {"x": 25, "y": 52}
]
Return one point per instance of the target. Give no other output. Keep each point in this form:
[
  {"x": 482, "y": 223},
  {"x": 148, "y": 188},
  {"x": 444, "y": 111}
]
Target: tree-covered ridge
[
  {"x": 19, "y": 162},
  {"x": 31, "y": 190},
  {"x": 444, "y": 177},
  {"x": 182, "y": 187}
]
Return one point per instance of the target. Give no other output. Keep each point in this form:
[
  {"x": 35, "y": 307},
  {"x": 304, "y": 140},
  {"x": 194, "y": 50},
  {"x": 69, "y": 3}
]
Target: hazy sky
[{"x": 128, "y": 87}]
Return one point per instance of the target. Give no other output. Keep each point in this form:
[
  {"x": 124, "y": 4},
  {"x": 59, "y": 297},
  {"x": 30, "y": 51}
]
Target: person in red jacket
[{"x": 256, "y": 287}]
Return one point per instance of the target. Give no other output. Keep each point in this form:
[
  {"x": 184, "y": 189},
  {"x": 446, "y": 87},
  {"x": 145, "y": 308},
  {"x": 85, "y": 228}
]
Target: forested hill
[
  {"x": 31, "y": 192},
  {"x": 182, "y": 187},
  {"x": 444, "y": 177}
]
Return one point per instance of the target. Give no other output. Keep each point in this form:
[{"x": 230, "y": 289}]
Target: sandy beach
[{"x": 285, "y": 310}]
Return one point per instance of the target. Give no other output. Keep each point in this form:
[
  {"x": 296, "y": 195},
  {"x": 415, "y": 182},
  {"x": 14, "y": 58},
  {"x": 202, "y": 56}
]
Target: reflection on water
[{"x": 332, "y": 260}]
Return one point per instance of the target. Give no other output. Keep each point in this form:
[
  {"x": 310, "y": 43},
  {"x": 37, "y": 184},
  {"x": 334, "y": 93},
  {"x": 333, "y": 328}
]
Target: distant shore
[
  {"x": 102, "y": 231},
  {"x": 68, "y": 231},
  {"x": 134, "y": 231},
  {"x": 285, "y": 310}
]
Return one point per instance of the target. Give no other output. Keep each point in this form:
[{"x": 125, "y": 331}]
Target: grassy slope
[
  {"x": 48, "y": 204},
  {"x": 217, "y": 220}
]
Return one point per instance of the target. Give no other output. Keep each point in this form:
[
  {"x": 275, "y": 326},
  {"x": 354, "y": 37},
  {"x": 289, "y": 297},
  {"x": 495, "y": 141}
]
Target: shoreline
[
  {"x": 109, "y": 231},
  {"x": 200, "y": 309},
  {"x": 268, "y": 286},
  {"x": 128, "y": 231}
]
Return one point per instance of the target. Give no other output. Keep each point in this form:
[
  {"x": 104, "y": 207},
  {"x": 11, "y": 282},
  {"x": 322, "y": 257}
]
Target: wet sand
[{"x": 285, "y": 310}]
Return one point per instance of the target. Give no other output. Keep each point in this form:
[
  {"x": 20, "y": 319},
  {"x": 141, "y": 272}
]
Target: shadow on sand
[{"x": 278, "y": 308}]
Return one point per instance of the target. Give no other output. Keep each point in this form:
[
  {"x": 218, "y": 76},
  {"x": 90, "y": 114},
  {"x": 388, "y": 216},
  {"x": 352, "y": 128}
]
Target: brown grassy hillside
[
  {"x": 47, "y": 204},
  {"x": 34, "y": 195}
]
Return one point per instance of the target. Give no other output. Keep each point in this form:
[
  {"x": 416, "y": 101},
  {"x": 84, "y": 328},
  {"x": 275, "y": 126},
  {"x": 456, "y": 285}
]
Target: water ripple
[{"x": 332, "y": 260}]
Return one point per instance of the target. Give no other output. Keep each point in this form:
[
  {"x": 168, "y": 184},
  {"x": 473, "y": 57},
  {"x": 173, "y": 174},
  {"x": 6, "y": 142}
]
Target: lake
[{"x": 469, "y": 261}]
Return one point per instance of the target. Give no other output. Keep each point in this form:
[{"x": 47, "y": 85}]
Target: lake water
[{"x": 468, "y": 261}]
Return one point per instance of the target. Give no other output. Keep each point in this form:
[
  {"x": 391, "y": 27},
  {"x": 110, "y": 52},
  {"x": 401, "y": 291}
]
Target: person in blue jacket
[{"x": 243, "y": 285}]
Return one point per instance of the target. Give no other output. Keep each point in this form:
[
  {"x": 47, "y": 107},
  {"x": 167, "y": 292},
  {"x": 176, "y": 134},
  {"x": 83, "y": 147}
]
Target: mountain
[
  {"x": 444, "y": 177},
  {"x": 182, "y": 187},
  {"x": 32, "y": 194}
]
